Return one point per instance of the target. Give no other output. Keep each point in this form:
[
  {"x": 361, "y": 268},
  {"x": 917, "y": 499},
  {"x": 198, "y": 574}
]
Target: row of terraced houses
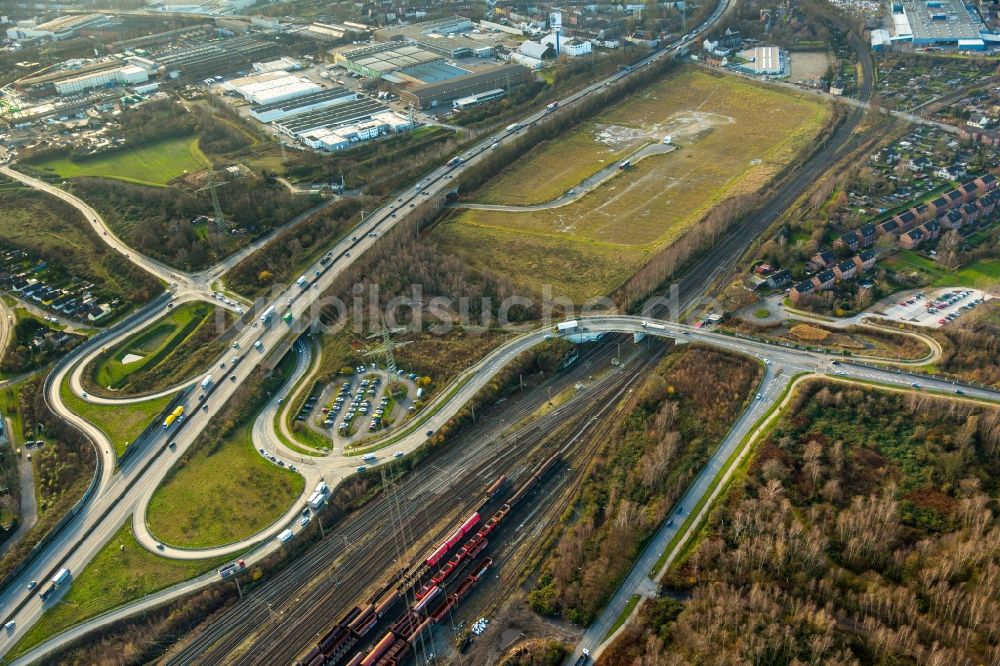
[{"x": 956, "y": 209}]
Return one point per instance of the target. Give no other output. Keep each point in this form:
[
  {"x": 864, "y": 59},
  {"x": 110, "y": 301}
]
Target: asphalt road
[
  {"x": 118, "y": 495},
  {"x": 137, "y": 479}
]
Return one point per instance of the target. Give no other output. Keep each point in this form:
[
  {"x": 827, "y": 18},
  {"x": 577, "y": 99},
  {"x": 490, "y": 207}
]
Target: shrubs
[
  {"x": 808, "y": 333},
  {"x": 660, "y": 438}
]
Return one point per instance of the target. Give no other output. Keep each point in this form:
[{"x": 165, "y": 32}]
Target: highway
[
  {"x": 119, "y": 493},
  {"x": 123, "y": 493}
]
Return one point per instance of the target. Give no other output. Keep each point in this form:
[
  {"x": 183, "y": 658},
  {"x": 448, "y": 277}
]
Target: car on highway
[
  {"x": 258, "y": 344},
  {"x": 759, "y": 396},
  {"x": 10, "y": 626},
  {"x": 32, "y": 584},
  {"x": 303, "y": 521},
  {"x": 159, "y": 546},
  {"x": 959, "y": 392}
]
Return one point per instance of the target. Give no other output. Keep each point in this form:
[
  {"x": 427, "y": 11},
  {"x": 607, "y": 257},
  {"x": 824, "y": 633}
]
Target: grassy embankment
[
  {"x": 173, "y": 349},
  {"x": 593, "y": 245},
  {"x": 122, "y": 571},
  {"x": 199, "y": 507},
  {"x": 121, "y": 423}
]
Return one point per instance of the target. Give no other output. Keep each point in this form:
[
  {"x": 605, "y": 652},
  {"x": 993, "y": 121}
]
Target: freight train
[{"x": 432, "y": 600}]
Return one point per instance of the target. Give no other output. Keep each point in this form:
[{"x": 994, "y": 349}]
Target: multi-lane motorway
[
  {"x": 119, "y": 493},
  {"x": 126, "y": 492}
]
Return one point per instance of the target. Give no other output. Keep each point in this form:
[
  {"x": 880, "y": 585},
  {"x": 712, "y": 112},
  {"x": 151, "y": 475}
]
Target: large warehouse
[
  {"x": 341, "y": 114},
  {"x": 219, "y": 57},
  {"x": 443, "y": 93},
  {"x": 948, "y": 22},
  {"x": 276, "y": 111},
  {"x": 126, "y": 74},
  {"x": 380, "y": 59}
]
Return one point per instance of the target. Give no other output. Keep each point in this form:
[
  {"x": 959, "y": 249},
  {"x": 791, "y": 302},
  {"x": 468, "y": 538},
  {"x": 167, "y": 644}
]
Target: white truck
[
  {"x": 206, "y": 382},
  {"x": 303, "y": 282},
  {"x": 61, "y": 577}
]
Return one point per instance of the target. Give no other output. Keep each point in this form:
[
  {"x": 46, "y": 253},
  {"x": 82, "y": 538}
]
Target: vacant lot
[
  {"x": 200, "y": 507},
  {"x": 121, "y": 572},
  {"x": 169, "y": 351},
  {"x": 982, "y": 274},
  {"x": 728, "y": 144},
  {"x": 156, "y": 163}
]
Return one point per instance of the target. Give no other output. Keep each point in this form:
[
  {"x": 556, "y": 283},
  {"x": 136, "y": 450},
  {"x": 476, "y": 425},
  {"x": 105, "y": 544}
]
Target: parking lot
[
  {"x": 932, "y": 308},
  {"x": 360, "y": 405}
]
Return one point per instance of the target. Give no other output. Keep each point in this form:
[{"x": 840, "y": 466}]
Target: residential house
[
  {"x": 845, "y": 270},
  {"x": 778, "y": 279},
  {"x": 867, "y": 234},
  {"x": 920, "y": 164},
  {"x": 851, "y": 240},
  {"x": 970, "y": 212},
  {"x": 824, "y": 280},
  {"x": 865, "y": 260},
  {"x": 822, "y": 259},
  {"x": 890, "y": 227},
  {"x": 952, "y": 220},
  {"x": 801, "y": 289}
]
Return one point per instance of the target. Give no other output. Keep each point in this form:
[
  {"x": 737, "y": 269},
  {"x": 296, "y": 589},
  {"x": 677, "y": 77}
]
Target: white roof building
[{"x": 533, "y": 49}]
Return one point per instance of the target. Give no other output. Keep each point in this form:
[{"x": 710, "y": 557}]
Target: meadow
[{"x": 726, "y": 145}]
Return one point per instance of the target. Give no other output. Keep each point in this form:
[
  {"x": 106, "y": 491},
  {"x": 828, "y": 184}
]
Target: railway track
[
  {"x": 250, "y": 620},
  {"x": 253, "y": 632},
  {"x": 711, "y": 268},
  {"x": 286, "y": 641}
]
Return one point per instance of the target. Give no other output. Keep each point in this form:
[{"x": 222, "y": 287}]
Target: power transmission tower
[
  {"x": 212, "y": 187},
  {"x": 385, "y": 349}
]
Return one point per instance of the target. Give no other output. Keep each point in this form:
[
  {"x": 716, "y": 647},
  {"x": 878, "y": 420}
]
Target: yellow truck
[{"x": 173, "y": 416}]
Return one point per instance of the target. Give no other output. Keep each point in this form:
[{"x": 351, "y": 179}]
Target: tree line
[{"x": 863, "y": 533}]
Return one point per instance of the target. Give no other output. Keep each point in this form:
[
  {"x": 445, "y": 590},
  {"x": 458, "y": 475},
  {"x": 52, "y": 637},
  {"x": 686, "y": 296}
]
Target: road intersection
[{"x": 126, "y": 492}]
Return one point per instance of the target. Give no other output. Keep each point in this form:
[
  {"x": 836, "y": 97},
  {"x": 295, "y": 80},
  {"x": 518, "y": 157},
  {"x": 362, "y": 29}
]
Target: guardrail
[
  {"x": 855, "y": 360},
  {"x": 99, "y": 468}
]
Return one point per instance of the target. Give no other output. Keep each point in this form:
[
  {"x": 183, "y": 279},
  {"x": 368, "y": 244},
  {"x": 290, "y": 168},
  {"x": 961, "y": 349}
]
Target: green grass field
[
  {"x": 10, "y": 397},
  {"x": 588, "y": 248},
  {"x": 157, "y": 344},
  {"x": 215, "y": 497},
  {"x": 983, "y": 274},
  {"x": 121, "y": 423},
  {"x": 114, "y": 577},
  {"x": 156, "y": 163}
]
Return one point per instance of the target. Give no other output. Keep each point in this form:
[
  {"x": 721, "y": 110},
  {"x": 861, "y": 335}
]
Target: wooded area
[
  {"x": 863, "y": 533},
  {"x": 664, "y": 434}
]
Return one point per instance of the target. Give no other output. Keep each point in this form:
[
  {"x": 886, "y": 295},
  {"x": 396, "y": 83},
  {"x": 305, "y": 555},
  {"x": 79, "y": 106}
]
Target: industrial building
[
  {"x": 126, "y": 74},
  {"x": 443, "y": 93},
  {"x": 764, "y": 61},
  {"x": 278, "y": 89},
  {"x": 341, "y": 114},
  {"x": 219, "y": 57},
  {"x": 276, "y": 111},
  {"x": 479, "y": 98},
  {"x": 207, "y": 7},
  {"x": 283, "y": 63},
  {"x": 60, "y": 28},
  {"x": 945, "y": 22},
  {"x": 380, "y": 59},
  {"x": 441, "y": 36},
  {"x": 344, "y": 136}
]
